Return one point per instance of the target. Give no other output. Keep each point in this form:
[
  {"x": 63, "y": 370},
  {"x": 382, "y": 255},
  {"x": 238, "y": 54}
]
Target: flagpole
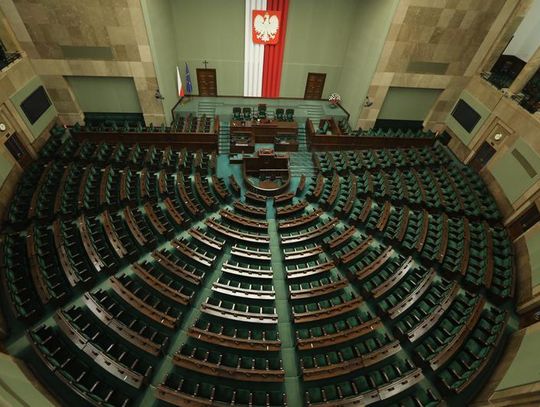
[{"x": 189, "y": 86}]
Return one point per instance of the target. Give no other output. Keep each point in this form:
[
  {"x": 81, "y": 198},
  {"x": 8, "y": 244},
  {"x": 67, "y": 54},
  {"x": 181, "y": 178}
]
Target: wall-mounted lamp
[
  {"x": 3, "y": 127},
  {"x": 498, "y": 137},
  {"x": 518, "y": 97},
  {"x": 367, "y": 102},
  {"x": 158, "y": 95}
]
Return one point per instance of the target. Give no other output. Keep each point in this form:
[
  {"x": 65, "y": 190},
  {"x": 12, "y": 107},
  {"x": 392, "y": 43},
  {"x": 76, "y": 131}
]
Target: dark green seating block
[
  {"x": 80, "y": 378},
  {"x": 183, "y": 386}
]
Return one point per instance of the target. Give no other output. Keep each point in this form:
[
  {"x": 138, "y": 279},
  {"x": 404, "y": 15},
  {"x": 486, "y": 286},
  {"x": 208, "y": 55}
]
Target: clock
[{"x": 498, "y": 136}]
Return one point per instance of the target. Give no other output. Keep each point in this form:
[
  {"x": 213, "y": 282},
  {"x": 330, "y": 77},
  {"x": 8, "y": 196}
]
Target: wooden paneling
[
  {"x": 525, "y": 221},
  {"x": 207, "y": 82},
  {"x": 482, "y": 156},
  {"x": 207, "y": 142},
  {"x": 314, "y": 85},
  {"x": 18, "y": 150}
]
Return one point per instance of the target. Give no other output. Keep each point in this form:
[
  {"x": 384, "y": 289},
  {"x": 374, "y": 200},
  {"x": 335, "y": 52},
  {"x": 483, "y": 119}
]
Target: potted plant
[{"x": 334, "y": 100}]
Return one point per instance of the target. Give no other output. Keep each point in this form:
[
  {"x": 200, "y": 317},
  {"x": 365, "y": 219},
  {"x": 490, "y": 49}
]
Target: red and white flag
[
  {"x": 266, "y": 22},
  {"x": 179, "y": 83}
]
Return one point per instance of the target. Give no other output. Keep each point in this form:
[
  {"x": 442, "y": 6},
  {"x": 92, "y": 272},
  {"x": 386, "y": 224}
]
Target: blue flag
[{"x": 189, "y": 86}]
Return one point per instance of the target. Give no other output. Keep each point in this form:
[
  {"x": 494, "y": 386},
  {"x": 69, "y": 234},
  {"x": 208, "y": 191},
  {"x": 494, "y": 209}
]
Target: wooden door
[
  {"x": 206, "y": 80},
  {"x": 524, "y": 222},
  {"x": 314, "y": 85},
  {"x": 18, "y": 150},
  {"x": 482, "y": 156}
]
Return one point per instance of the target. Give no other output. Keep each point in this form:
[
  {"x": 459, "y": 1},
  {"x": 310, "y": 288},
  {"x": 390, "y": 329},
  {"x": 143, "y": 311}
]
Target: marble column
[{"x": 526, "y": 73}]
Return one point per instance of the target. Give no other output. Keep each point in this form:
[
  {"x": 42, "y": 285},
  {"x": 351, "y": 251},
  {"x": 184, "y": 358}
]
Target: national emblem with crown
[{"x": 266, "y": 24}]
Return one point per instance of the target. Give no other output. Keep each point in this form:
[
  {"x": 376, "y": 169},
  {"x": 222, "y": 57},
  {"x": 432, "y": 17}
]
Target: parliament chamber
[{"x": 338, "y": 206}]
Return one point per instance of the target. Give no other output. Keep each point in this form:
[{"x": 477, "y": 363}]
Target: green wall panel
[
  {"x": 533, "y": 244},
  {"x": 15, "y": 388},
  {"x": 459, "y": 131},
  {"x": 511, "y": 175},
  {"x": 95, "y": 53},
  {"x": 408, "y": 103},
  {"x": 105, "y": 94},
  {"x": 160, "y": 27},
  {"x": 211, "y": 30},
  {"x": 372, "y": 19},
  {"x": 46, "y": 118},
  {"x": 342, "y": 39},
  {"x": 316, "y": 41},
  {"x": 294, "y": 76},
  {"x": 524, "y": 367}
]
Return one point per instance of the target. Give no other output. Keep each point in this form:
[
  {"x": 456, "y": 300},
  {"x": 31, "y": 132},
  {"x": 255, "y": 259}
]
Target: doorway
[
  {"x": 314, "y": 86},
  {"x": 206, "y": 81},
  {"x": 482, "y": 156},
  {"x": 524, "y": 222},
  {"x": 18, "y": 150}
]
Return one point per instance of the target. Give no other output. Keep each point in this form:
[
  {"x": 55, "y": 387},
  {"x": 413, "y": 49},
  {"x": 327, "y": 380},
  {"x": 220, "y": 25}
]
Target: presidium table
[{"x": 245, "y": 133}]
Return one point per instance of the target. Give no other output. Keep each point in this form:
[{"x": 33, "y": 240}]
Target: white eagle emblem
[{"x": 266, "y": 27}]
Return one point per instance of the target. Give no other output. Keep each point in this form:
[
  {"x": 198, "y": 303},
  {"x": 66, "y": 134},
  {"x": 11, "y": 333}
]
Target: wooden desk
[
  {"x": 154, "y": 279},
  {"x": 251, "y": 316},
  {"x": 177, "y": 140},
  {"x": 124, "y": 373},
  {"x": 302, "y": 252},
  {"x": 209, "y": 240},
  {"x": 242, "y": 143},
  {"x": 113, "y": 237},
  {"x": 147, "y": 343},
  {"x": 292, "y": 209},
  {"x": 291, "y": 145},
  {"x": 150, "y": 311},
  {"x": 242, "y": 221},
  {"x": 255, "y": 211},
  {"x": 238, "y": 342},
  {"x": 300, "y": 221},
  {"x": 93, "y": 256},
  {"x": 324, "y": 313},
  {"x": 174, "y": 265},
  {"x": 340, "y": 142},
  {"x": 264, "y": 131},
  {"x": 302, "y": 271}
]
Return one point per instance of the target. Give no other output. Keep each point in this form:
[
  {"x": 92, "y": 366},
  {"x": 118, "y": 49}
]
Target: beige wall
[
  {"x": 66, "y": 38},
  {"x": 436, "y": 45},
  {"x": 520, "y": 130},
  {"x": 18, "y": 387},
  {"x": 513, "y": 381},
  {"x": 515, "y": 123},
  {"x": 15, "y": 80},
  {"x": 12, "y": 80}
]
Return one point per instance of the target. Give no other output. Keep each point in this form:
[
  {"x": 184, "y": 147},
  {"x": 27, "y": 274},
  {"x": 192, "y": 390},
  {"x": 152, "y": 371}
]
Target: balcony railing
[{"x": 8, "y": 58}]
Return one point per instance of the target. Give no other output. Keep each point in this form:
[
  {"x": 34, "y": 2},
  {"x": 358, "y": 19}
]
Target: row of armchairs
[
  {"x": 89, "y": 189},
  {"x": 416, "y": 298},
  {"x": 357, "y": 162},
  {"x": 17, "y": 279},
  {"x": 192, "y": 124},
  {"x": 118, "y": 155},
  {"x": 81, "y": 377},
  {"x": 365, "y": 389},
  {"x": 396, "y": 133},
  {"x": 261, "y": 113},
  {"x": 481, "y": 343}
]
